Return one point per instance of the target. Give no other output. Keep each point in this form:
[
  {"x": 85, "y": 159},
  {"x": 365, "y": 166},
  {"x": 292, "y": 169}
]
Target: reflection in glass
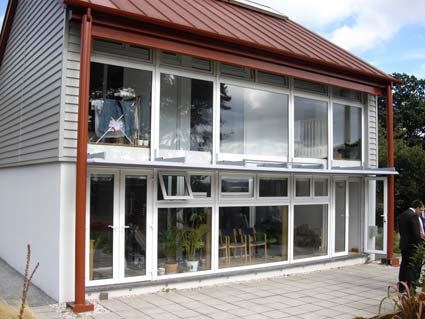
[
  {"x": 340, "y": 215},
  {"x": 347, "y": 132},
  {"x": 252, "y": 235},
  {"x": 273, "y": 187},
  {"x": 101, "y": 227},
  {"x": 184, "y": 240},
  {"x": 135, "y": 225},
  {"x": 175, "y": 185},
  {"x": 310, "y": 231},
  {"x": 311, "y": 128},
  {"x": 321, "y": 187},
  {"x": 186, "y": 117},
  {"x": 253, "y": 122},
  {"x": 302, "y": 187},
  {"x": 376, "y": 215},
  {"x": 201, "y": 185},
  {"x": 239, "y": 185},
  {"x": 120, "y": 105}
]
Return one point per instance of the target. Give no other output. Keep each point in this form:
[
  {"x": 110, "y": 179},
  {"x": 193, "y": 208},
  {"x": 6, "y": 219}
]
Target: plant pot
[
  {"x": 192, "y": 265},
  {"x": 171, "y": 268}
]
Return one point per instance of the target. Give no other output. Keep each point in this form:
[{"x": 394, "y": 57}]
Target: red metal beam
[
  {"x": 390, "y": 163},
  {"x": 80, "y": 304},
  {"x": 113, "y": 34}
]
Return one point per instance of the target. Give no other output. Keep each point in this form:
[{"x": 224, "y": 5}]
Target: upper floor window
[
  {"x": 186, "y": 115},
  {"x": 311, "y": 128},
  {"x": 253, "y": 122},
  {"x": 347, "y": 132},
  {"x": 120, "y": 105}
]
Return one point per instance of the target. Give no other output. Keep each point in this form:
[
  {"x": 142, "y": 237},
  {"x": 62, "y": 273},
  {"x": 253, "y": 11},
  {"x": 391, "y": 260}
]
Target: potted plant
[
  {"x": 193, "y": 239},
  {"x": 171, "y": 241}
]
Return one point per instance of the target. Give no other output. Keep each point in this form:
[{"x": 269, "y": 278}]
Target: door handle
[
  {"x": 126, "y": 227},
  {"x": 112, "y": 227}
]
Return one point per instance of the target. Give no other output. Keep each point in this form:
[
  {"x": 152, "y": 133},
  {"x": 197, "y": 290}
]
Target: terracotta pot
[{"x": 171, "y": 268}]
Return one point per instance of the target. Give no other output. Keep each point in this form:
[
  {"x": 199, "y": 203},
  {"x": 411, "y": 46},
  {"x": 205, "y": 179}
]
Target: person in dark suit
[{"x": 410, "y": 235}]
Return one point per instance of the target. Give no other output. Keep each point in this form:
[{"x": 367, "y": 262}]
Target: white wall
[
  {"x": 30, "y": 213},
  {"x": 67, "y": 233}
]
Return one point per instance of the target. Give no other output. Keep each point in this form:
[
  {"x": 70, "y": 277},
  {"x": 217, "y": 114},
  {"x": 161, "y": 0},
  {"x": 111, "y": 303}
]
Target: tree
[{"x": 409, "y": 136}]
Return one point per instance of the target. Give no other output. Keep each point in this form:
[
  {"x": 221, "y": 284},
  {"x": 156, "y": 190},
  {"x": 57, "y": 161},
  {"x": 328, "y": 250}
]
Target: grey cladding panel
[
  {"x": 372, "y": 134},
  {"x": 30, "y": 84}
]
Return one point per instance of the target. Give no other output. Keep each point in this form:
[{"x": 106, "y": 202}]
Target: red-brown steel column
[
  {"x": 390, "y": 163},
  {"x": 80, "y": 304}
]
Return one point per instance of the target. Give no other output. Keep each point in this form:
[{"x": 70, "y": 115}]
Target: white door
[
  {"x": 340, "y": 220},
  {"x": 376, "y": 210},
  {"x": 118, "y": 215}
]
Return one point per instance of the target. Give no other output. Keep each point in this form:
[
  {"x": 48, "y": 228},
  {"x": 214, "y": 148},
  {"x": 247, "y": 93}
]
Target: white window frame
[
  {"x": 312, "y": 198},
  {"x": 336, "y": 179},
  {"x": 311, "y": 96},
  {"x": 165, "y": 195},
  {"x": 181, "y": 72},
  {"x": 303, "y": 177},
  {"x": 317, "y": 177},
  {"x": 329, "y": 223},
  {"x": 197, "y": 195},
  {"x": 273, "y": 177},
  {"x": 221, "y": 156},
  {"x": 183, "y": 68},
  {"x": 251, "y": 195},
  {"x": 343, "y": 162}
]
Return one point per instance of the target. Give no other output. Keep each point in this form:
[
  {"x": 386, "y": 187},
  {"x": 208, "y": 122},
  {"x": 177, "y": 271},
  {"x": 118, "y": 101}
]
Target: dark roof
[{"x": 224, "y": 20}]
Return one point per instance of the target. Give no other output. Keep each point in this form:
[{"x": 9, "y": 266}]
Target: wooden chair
[
  {"x": 237, "y": 241},
  {"x": 223, "y": 244},
  {"x": 254, "y": 242}
]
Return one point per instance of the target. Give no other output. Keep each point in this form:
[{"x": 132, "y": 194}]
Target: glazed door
[
  {"x": 134, "y": 240},
  {"x": 118, "y": 247},
  {"x": 340, "y": 221},
  {"x": 376, "y": 215},
  {"x": 102, "y": 228}
]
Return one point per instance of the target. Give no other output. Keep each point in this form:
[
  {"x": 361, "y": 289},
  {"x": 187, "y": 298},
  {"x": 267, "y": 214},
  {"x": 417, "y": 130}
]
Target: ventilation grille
[
  {"x": 347, "y": 94},
  {"x": 310, "y": 87},
  {"x": 272, "y": 79},
  {"x": 122, "y": 49},
  {"x": 186, "y": 61}
]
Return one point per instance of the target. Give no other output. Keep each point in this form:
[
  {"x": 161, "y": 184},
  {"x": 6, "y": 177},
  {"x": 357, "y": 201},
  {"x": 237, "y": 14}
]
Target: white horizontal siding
[
  {"x": 30, "y": 84},
  {"x": 372, "y": 130}
]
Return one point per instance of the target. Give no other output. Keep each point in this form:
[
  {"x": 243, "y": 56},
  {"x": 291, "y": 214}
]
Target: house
[{"x": 147, "y": 143}]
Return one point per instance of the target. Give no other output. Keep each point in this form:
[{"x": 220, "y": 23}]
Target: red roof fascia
[
  {"x": 313, "y": 48},
  {"x": 7, "y": 26}
]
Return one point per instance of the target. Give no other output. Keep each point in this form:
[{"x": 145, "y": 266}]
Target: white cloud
[{"x": 356, "y": 25}]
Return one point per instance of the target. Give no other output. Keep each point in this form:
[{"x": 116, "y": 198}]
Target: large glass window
[
  {"x": 252, "y": 235},
  {"x": 311, "y": 128},
  {"x": 253, "y": 122},
  {"x": 347, "y": 132},
  {"x": 101, "y": 227},
  {"x": 310, "y": 231},
  {"x": 184, "y": 240},
  {"x": 120, "y": 105},
  {"x": 186, "y": 115}
]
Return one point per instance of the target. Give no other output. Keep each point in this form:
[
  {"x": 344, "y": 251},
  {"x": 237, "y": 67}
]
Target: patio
[{"x": 339, "y": 293}]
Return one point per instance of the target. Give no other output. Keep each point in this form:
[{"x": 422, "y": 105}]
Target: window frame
[
  {"x": 273, "y": 177},
  {"x": 237, "y": 195},
  {"x": 223, "y": 156},
  {"x": 161, "y": 175},
  {"x": 312, "y": 198},
  {"x": 347, "y": 162}
]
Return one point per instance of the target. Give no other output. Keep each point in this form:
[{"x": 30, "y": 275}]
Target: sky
[{"x": 389, "y": 34}]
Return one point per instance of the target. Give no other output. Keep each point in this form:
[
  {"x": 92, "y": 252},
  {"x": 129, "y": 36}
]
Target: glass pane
[
  {"x": 184, "y": 240},
  {"x": 302, "y": 187},
  {"x": 253, "y": 122},
  {"x": 201, "y": 185},
  {"x": 120, "y": 108},
  {"x": 347, "y": 132},
  {"x": 321, "y": 187},
  {"x": 340, "y": 215},
  {"x": 237, "y": 185},
  {"x": 135, "y": 223},
  {"x": 376, "y": 215},
  {"x": 310, "y": 231},
  {"x": 186, "y": 117},
  {"x": 311, "y": 128},
  {"x": 273, "y": 187},
  {"x": 175, "y": 185},
  {"x": 252, "y": 235},
  {"x": 101, "y": 223}
]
